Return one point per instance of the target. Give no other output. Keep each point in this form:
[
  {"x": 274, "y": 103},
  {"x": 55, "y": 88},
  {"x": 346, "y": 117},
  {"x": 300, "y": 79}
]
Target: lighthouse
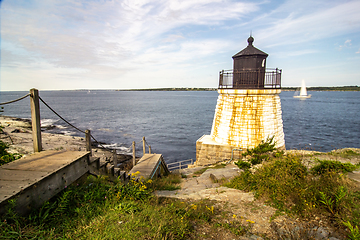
[{"x": 248, "y": 109}]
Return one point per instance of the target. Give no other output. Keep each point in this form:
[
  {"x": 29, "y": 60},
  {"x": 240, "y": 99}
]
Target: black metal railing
[{"x": 250, "y": 79}]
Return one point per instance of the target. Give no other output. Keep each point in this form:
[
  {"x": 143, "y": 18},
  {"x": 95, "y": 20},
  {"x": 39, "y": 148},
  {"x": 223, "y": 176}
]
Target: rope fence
[
  {"x": 16, "y": 100},
  {"x": 71, "y": 125},
  {"x": 35, "y": 116}
]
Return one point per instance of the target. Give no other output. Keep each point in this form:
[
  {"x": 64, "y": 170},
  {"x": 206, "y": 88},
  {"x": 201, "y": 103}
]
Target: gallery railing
[{"x": 251, "y": 79}]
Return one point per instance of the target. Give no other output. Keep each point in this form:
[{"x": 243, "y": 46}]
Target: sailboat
[{"x": 303, "y": 93}]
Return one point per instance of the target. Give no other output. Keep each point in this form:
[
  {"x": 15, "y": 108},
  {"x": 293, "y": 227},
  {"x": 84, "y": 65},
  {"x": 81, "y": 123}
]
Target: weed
[
  {"x": 354, "y": 231},
  {"x": 6, "y": 157},
  {"x": 346, "y": 153},
  {"x": 134, "y": 189},
  {"x": 170, "y": 183},
  {"x": 258, "y": 154},
  {"x": 243, "y": 165},
  {"x": 332, "y": 166},
  {"x": 201, "y": 171},
  {"x": 128, "y": 207}
]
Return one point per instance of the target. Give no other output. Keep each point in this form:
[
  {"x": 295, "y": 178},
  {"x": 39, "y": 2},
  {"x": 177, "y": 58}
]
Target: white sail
[{"x": 303, "y": 91}]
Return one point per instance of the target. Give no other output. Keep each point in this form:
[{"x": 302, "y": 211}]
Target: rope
[
  {"x": 60, "y": 116},
  {"x": 99, "y": 144},
  {"x": 78, "y": 128},
  {"x": 15, "y": 100}
]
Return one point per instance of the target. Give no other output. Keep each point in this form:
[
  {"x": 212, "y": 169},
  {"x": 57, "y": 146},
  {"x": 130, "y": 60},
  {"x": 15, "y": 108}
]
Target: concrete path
[{"x": 206, "y": 186}]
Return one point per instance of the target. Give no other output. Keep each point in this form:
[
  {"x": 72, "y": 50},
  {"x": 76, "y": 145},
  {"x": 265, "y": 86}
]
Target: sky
[{"x": 136, "y": 44}]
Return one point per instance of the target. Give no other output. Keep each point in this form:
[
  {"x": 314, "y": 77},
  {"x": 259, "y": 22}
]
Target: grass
[
  {"x": 325, "y": 166},
  {"x": 285, "y": 183},
  {"x": 347, "y": 153},
  {"x": 99, "y": 209},
  {"x": 5, "y": 156},
  {"x": 170, "y": 183}
]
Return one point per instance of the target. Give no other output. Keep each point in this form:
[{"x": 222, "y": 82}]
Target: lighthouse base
[
  {"x": 243, "y": 119},
  {"x": 210, "y": 152}
]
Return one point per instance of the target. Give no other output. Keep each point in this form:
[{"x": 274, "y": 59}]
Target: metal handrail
[
  {"x": 180, "y": 165},
  {"x": 251, "y": 79}
]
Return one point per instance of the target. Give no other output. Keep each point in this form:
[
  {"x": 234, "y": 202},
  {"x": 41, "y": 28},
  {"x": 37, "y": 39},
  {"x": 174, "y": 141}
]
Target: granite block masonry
[{"x": 248, "y": 109}]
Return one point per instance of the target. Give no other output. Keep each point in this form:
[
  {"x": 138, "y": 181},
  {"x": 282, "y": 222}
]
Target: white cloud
[
  {"x": 116, "y": 36},
  {"x": 346, "y": 44},
  {"x": 323, "y": 23},
  {"x": 107, "y": 43}
]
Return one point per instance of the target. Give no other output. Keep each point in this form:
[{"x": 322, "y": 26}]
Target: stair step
[
  {"x": 110, "y": 169},
  {"x": 123, "y": 176},
  {"x": 116, "y": 171},
  {"x": 94, "y": 161}
]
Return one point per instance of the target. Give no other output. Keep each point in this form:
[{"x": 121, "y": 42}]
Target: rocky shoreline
[{"x": 17, "y": 133}]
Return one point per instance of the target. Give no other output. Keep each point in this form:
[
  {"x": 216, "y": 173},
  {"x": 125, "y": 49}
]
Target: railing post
[
  {"x": 35, "y": 119},
  {"x": 88, "y": 141},
  {"x": 115, "y": 158},
  {"x": 144, "y": 150},
  {"x": 134, "y": 152},
  {"x": 149, "y": 149}
]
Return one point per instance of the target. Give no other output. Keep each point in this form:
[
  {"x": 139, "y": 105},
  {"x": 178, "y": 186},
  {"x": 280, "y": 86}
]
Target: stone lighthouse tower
[{"x": 248, "y": 108}]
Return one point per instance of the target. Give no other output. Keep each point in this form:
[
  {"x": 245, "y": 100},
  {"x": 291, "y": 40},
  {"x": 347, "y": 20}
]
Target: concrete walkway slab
[{"x": 203, "y": 187}]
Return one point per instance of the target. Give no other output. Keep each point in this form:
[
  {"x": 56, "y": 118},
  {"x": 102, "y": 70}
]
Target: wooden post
[
  {"x": 134, "y": 152},
  {"x": 144, "y": 150},
  {"x": 115, "y": 158},
  {"x": 88, "y": 141},
  {"x": 149, "y": 149},
  {"x": 35, "y": 119}
]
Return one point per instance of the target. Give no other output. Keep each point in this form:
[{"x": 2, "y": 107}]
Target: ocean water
[{"x": 172, "y": 121}]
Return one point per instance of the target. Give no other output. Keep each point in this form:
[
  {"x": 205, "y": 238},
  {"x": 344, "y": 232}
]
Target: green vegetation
[
  {"x": 342, "y": 88},
  {"x": 172, "y": 89},
  {"x": 170, "y": 183},
  {"x": 6, "y": 157},
  {"x": 260, "y": 153},
  {"x": 285, "y": 183},
  {"x": 98, "y": 209},
  {"x": 325, "y": 166},
  {"x": 347, "y": 153}
]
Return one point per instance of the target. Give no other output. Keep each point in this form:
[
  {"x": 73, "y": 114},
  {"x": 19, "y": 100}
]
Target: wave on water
[
  {"x": 120, "y": 148},
  {"x": 47, "y": 122}
]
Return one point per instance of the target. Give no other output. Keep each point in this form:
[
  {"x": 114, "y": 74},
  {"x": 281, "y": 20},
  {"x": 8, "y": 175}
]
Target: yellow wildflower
[{"x": 210, "y": 209}]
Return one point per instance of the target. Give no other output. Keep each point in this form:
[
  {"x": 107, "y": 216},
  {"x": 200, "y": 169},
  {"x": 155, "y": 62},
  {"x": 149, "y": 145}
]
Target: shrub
[
  {"x": 258, "y": 154},
  {"x": 332, "y": 166},
  {"x": 169, "y": 183},
  {"x": 243, "y": 165},
  {"x": 6, "y": 157},
  {"x": 135, "y": 189}
]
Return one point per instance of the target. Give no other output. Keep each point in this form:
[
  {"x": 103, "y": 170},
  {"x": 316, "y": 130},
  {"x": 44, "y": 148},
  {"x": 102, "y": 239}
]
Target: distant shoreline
[{"x": 342, "y": 88}]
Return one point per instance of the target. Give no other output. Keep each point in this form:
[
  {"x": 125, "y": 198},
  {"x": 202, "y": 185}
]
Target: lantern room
[{"x": 249, "y": 71}]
